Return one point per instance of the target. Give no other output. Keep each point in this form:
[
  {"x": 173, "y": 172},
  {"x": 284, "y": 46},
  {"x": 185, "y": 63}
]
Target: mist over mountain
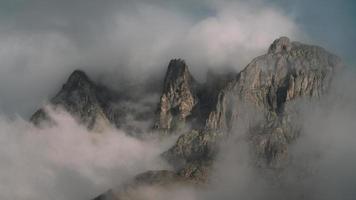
[
  {"x": 164, "y": 99},
  {"x": 256, "y": 114}
]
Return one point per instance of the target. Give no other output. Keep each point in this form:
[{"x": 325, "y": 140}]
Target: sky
[{"x": 130, "y": 41}]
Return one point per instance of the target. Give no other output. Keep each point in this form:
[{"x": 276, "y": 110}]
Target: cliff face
[
  {"x": 95, "y": 106},
  {"x": 261, "y": 98},
  {"x": 289, "y": 70},
  {"x": 78, "y": 96},
  {"x": 178, "y": 97},
  {"x": 266, "y": 88}
]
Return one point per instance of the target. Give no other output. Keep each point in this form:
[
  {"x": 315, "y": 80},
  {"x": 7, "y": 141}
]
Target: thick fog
[
  {"x": 121, "y": 43},
  {"x": 126, "y": 42},
  {"x": 67, "y": 161},
  {"x": 321, "y": 161}
]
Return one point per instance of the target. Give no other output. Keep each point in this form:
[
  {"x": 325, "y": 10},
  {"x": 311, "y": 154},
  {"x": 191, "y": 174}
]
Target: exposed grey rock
[
  {"x": 268, "y": 85},
  {"x": 280, "y": 45},
  {"x": 261, "y": 97},
  {"x": 288, "y": 71},
  {"x": 78, "y": 96},
  {"x": 178, "y": 97},
  {"x": 98, "y": 107},
  {"x": 193, "y": 153}
]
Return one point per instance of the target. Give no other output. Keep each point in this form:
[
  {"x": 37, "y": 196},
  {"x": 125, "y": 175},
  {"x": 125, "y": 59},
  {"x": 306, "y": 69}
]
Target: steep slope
[
  {"x": 261, "y": 98},
  {"x": 289, "y": 70},
  {"x": 79, "y": 97},
  {"x": 98, "y": 107},
  {"x": 178, "y": 98},
  {"x": 258, "y": 103}
]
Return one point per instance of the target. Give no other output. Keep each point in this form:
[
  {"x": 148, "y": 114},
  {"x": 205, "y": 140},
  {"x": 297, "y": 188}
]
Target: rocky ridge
[
  {"x": 79, "y": 97},
  {"x": 95, "y": 106},
  {"x": 178, "y": 99},
  {"x": 265, "y": 90},
  {"x": 260, "y": 98}
]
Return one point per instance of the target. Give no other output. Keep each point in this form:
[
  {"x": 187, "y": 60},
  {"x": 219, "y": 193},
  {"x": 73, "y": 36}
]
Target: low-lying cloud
[
  {"x": 321, "y": 158},
  {"x": 68, "y": 162},
  {"x": 123, "y": 43}
]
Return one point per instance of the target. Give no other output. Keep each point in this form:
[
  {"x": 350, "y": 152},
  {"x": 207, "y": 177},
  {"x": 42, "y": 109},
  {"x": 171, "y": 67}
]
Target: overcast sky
[
  {"x": 41, "y": 42},
  {"x": 122, "y": 42}
]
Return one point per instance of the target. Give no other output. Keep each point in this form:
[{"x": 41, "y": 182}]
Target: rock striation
[
  {"x": 258, "y": 101},
  {"x": 261, "y": 97},
  {"x": 265, "y": 90},
  {"x": 178, "y": 99},
  {"x": 95, "y": 106},
  {"x": 78, "y": 96}
]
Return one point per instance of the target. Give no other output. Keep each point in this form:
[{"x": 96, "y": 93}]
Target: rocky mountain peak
[
  {"x": 270, "y": 84},
  {"x": 78, "y": 96},
  {"x": 279, "y": 45},
  {"x": 261, "y": 95},
  {"x": 178, "y": 97},
  {"x": 177, "y": 71},
  {"x": 259, "y": 98},
  {"x": 78, "y": 78}
]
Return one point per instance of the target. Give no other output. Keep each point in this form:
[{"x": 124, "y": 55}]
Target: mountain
[
  {"x": 178, "y": 99},
  {"x": 262, "y": 96},
  {"x": 259, "y": 101},
  {"x": 96, "y": 106},
  {"x": 79, "y": 96}
]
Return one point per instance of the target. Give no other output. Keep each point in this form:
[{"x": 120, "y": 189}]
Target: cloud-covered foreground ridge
[{"x": 67, "y": 161}]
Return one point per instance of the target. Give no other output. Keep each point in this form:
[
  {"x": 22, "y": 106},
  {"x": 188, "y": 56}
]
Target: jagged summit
[
  {"x": 77, "y": 74},
  {"x": 178, "y": 97},
  {"x": 79, "y": 97},
  {"x": 177, "y": 71},
  {"x": 78, "y": 78},
  {"x": 279, "y": 45},
  {"x": 267, "y": 86},
  {"x": 260, "y": 97},
  {"x": 96, "y": 106}
]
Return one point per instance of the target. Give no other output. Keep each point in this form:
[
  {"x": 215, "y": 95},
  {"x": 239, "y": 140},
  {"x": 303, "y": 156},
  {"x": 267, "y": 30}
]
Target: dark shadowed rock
[
  {"x": 79, "y": 97},
  {"x": 98, "y": 107}
]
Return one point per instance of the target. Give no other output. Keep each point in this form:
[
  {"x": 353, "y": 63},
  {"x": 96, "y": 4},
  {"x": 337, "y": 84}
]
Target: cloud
[
  {"x": 67, "y": 161},
  {"x": 329, "y": 23},
  {"x": 126, "y": 42},
  {"x": 321, "y": 159}
]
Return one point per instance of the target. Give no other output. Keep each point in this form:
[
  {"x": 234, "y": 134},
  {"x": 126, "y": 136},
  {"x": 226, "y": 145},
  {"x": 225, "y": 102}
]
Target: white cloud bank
[
  {"x": 127, "y": 42},
  {"x": 68, "y": 162}
]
